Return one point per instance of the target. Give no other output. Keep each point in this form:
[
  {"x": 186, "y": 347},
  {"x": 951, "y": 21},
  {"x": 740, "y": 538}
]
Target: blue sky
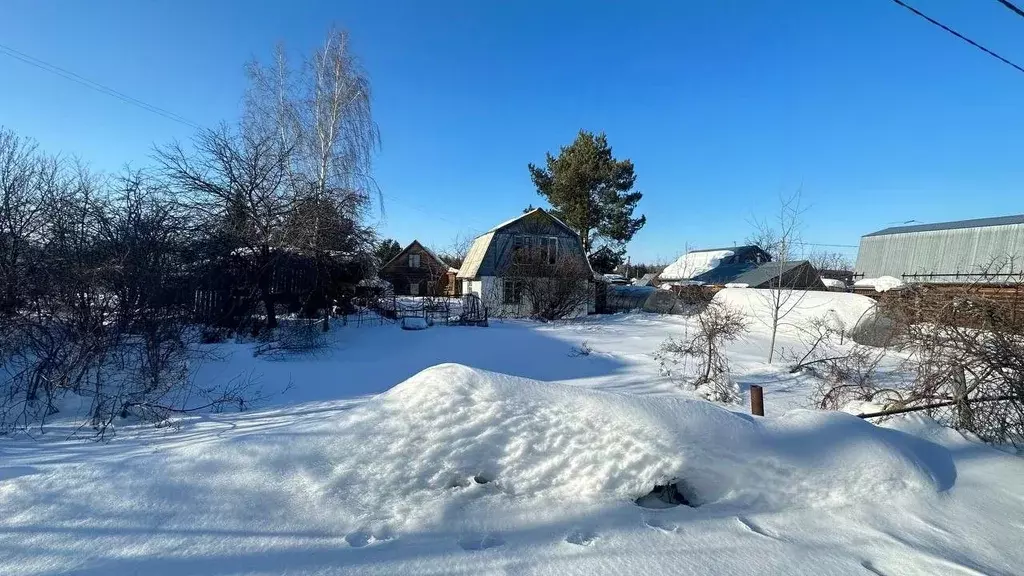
[{"x": 722, "y": 105}]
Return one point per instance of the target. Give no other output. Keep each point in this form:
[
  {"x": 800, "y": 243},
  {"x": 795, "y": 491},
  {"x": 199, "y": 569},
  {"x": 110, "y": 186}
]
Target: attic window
[
  {"x": 549, "y": 249},
  {"x": 414, "y": 260}
]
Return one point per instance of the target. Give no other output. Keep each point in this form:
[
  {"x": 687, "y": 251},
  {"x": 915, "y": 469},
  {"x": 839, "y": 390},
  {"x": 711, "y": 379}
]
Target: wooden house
[{"x": 418, "y": 271}]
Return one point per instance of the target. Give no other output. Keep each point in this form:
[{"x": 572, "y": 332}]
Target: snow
[
  {"x": 833, "y": 284},
  {"x": 843, "y": 311},
  {"x": 465, "y": 450},
  {"x": 694, "y": 264},
  {"x": 880, "y": 284},
  {"x": 737, "y": 285}
]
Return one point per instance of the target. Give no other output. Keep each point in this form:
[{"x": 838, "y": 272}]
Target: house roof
[
  {"x": 957, "y": 224},
  {"x": 748, "y": 273},
  {"x": 530, "y": 213},
  {"x": 477, "y": 252},
  {"x": 735, "y": 249},
  {"x": 646, "y": 279},
  {"x": 422, "y": 247},
  {"x": 761, "y": 273},
  {"x": 475, "y": 256}
]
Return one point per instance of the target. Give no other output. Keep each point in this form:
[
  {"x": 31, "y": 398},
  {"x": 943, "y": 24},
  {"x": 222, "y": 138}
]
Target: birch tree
[{"x": 780, "y": 237}]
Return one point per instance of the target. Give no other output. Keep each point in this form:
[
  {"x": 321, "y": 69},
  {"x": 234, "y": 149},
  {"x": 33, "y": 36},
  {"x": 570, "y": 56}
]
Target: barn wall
[{"x": 964, "y": 250}]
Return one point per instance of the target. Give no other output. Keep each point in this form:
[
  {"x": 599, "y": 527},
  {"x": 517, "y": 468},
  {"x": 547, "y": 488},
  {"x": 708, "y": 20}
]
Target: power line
[
  {"x": 1010, "y": 5},
  {"x": 93, "y": 85},
  {"x": 959, "y": 35}
]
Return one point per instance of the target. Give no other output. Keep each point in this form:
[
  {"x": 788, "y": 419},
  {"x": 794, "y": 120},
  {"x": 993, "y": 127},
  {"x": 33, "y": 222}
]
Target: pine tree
[
  {"x": 387, "y": 250},
  {"x": 592, "y": 192}
]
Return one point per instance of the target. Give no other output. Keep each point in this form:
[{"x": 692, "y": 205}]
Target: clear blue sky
[{"x": 721, "y": 104}]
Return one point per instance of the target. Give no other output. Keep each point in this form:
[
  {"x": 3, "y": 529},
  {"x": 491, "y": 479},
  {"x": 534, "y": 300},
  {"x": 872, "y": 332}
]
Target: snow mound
[
  {"x": 454, "y": 448},
  {"x": 694, "y": 264},
  {"x": 843, "y": 311},
  {"x": 451, "y": 423},
  {"x": 880, "y": 284}
]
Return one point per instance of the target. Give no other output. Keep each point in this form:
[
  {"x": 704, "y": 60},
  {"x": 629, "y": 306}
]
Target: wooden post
[{"x": 756, "y": 400}]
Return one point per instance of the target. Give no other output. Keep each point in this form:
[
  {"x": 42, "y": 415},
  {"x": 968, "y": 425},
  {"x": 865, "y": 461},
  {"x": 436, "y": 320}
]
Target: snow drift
[
  {"x": 853, "y": 314},
  {"x": 453, "y": 451}
]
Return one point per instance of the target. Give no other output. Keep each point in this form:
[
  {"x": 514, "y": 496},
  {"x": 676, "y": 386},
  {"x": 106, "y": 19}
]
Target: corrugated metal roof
[
  {"x": 768, "y": 271},
  {"x": 475, "y": 257},
  {"x": 976, "y": 223}
]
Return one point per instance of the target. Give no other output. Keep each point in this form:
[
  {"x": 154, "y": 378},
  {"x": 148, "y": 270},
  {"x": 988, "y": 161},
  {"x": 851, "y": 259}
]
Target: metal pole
[{"x": 756, "y": 400}]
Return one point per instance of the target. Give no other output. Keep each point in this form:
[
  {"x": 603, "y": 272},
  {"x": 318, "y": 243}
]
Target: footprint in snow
[
  {"x": 474, "y": 542},
  {"x": 581, "y": 537},
  {"x": 662, "y": 524}
]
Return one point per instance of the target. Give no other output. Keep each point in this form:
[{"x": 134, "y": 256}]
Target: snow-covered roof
[
  {"x": 833, "y": 283},
  {"x": 694, "y": 264}
]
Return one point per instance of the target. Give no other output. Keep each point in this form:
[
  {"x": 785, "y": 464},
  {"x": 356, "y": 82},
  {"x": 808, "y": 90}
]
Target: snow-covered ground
[{"x": 513, "y": 449}]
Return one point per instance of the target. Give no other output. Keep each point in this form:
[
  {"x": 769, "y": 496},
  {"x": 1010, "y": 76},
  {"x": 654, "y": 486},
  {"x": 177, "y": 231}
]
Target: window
[
  {"x": 414, "y": 288},
  {"x": 549, "y": 250},
  {"x": 414, "y": 260},
  {"x": 512, "y": 292}
]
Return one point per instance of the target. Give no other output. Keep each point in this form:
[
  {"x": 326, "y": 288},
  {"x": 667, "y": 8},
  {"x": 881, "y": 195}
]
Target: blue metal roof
[{"x": 976, "y": 223}]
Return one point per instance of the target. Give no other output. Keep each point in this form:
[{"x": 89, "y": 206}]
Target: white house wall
[{"x": 490, "y": 290}]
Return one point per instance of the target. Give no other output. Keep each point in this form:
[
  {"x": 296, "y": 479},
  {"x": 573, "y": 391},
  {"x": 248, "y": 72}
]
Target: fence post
[{"x": 756, "y": 400}]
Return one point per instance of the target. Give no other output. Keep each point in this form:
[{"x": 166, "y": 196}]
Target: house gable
[{"x": 491, "y": 251}]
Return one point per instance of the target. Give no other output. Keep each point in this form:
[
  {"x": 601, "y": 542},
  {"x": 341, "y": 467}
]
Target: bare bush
[
  {"x": 300, "y": 336},
  {"x": 701, "y": 358},
  {"x": 543, "y": 285},
  {"x": 965, "y": 351}
]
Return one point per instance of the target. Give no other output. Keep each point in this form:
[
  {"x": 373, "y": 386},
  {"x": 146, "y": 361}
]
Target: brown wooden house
[{"x": 417, "y": 271}]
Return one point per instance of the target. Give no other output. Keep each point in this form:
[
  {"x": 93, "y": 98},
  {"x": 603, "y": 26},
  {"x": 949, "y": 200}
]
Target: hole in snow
[
  {"x": 666, "y": 496},
  {"x": 481, "y": 479}
]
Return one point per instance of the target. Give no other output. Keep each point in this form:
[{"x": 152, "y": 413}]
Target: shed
[{"x": 945, "y": 252}]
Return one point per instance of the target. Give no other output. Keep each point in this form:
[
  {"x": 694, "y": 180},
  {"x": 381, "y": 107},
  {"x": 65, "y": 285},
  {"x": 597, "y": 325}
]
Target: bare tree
[
  {"x": 321, "y": 113},
  {"x": 235, "y": 187},
  {"x": 455, "y": 253},
  {"x": 780, "y": 237},
  {"x": 830, "y": 261},
  {"x": 25, "y": 178},
  {"x": 717, "y": 325}
]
